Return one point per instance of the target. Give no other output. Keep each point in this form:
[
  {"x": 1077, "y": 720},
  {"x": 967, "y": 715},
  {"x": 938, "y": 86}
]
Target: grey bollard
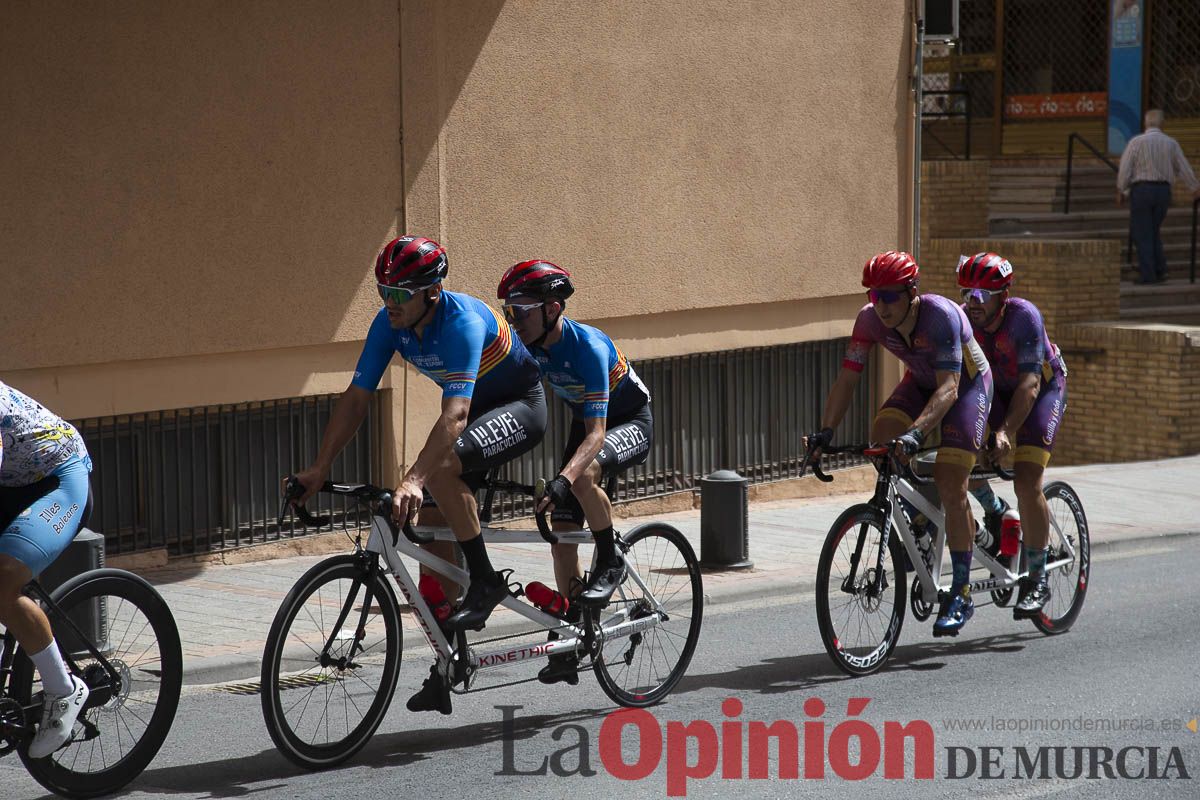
[
  {"x": 724, "y": 521},
  {"x": 84, "y": 553}
]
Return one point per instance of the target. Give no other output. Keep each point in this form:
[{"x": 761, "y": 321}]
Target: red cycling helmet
[
  {"x": 985, "y": 271},
  {"x": 889, "y": 269},
  {"x": 411, "y": 260},
  {"x": 538, "y": 279}
]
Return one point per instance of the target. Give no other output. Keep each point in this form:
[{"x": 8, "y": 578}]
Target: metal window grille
[
  {"x": 746, "y": 410},
  {"x": 1053, "y": 46},
  {"x": 1174, "y": 55},
  {"x": 202, "y": 479}
]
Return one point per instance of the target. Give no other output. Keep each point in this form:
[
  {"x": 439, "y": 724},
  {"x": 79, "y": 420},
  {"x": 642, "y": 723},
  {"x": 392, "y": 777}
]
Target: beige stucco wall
[
  {"x": 193, "y": 198},
  {"x": 724, "y": 152},
  {"x": 192, "y": 178}
]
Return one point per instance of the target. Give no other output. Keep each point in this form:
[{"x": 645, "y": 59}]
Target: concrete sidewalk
[{"x": 225, "y": 611}]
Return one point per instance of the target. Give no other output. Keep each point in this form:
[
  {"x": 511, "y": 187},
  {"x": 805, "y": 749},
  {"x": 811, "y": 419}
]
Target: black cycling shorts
[
  {"x": 498, "y": 434},
  {"x": 626, "y": 444}
]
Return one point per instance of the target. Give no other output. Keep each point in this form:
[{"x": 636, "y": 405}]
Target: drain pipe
[{"x": 918, "y": 88}]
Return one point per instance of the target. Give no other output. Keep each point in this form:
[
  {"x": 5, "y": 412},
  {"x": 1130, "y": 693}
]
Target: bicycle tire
[
  {"x": 627, "y": 668},
  {"x": 862, "y": 656},
  {"x": 1069, "y": 585},
  {"x": 140, "y": 639},
  {"x": 293, "y": 654}
]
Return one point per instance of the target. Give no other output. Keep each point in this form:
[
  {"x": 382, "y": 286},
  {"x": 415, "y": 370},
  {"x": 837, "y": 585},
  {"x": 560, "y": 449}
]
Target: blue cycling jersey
[
  {"x": 590, "y": 373},
  {"x": 468, "y": 349}
]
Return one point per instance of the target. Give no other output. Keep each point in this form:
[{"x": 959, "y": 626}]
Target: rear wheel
[
  {"x": 1068, "y": 583},
  {"x": 130, "y": 709},
  {"x": 330, "y": 662},
  {"x": 860, "y": 627},
  {"x": 641, "y": 668}
]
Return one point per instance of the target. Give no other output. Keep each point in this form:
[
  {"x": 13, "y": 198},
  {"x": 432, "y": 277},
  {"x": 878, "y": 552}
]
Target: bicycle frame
[{"x": 617, "y": 625}]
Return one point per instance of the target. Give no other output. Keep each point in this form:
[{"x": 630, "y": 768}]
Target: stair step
[{"x": 1179, "y": 315}]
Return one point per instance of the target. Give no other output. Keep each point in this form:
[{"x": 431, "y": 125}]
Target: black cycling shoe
[
  {"x": 563, "y": 667},
  {"x": 434, "y": 694},
  {"x": 603, "y": 583},
  {"x": 1032, "y": 598},
  {"x": 481, "y": 598}
]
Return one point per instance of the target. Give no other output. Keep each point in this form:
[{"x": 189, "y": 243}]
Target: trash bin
[
  {"x": 724, "y": 521},
  {"x": 84, "y": 554}
]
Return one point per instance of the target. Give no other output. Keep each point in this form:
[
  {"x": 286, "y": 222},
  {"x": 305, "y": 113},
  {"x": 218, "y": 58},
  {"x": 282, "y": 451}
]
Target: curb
[{"x": 235, "y": 668}]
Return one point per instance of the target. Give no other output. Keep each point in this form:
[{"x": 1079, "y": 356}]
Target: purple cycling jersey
[
  {"x": 941, "y": 342},
  {"x": 1018, "y": 346}
]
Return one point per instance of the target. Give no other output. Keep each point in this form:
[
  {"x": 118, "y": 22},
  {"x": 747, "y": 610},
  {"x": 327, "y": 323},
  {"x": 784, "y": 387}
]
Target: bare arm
[
  {"x": 941, "y": 401},
  {"x": 348, "y": 414},
  {"x": 589, "y": 448},
  {"x": 440, "y": 442},
  {"x": 840, "y": 395}
]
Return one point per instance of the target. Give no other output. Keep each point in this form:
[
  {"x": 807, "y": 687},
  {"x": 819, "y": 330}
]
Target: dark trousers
[{"x": 1148, "y": 204}]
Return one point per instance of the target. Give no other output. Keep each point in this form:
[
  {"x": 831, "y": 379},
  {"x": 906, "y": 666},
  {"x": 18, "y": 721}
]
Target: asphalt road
[{"x": 1124, "y": 677}]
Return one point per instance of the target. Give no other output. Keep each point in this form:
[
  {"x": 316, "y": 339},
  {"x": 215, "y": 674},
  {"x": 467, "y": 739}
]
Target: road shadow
[
  {"x": 252, "y": 774},
  {"x": 803, "y": 672}
]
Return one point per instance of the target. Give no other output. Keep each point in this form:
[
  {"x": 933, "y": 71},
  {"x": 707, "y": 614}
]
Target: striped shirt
[{"x": 1154, "y": 156}]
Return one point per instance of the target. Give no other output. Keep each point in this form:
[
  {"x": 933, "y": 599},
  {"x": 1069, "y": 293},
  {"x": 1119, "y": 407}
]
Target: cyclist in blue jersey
[
  {"x": 611, "y": 429},
  {"x": 946, "y": 389},
  {"x": 44, "y": 468},
  {"x": 493, "y": 410}
]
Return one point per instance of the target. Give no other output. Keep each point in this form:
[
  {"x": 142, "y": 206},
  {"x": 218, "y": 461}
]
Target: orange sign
[{"x": 1043, "y": 106}]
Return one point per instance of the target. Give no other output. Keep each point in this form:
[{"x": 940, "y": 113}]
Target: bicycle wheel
[
  {"x": 641, "y": 669},
  {"x": 1068, "y": 584},
  {"x": 123, "y": 724},
  {"x": 859, "y": 630},
  {"x": 330, "y": 663}
]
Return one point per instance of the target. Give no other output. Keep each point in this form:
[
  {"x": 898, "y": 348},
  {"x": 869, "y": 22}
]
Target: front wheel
[
  {"x": 330, "y": 664},
  {"x": 126, "y": 717},
  {"x": 640, "y": 669},
  {"x": 1068, "y": 583},
  {"x": 859, "y": 625}
]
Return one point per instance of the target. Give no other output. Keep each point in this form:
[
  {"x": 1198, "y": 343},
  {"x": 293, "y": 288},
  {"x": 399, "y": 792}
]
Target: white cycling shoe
[{"x": 58, "y": 720}]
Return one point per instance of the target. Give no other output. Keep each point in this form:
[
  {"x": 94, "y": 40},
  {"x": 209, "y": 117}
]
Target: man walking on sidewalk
[{"x": 1150, "y": 164}]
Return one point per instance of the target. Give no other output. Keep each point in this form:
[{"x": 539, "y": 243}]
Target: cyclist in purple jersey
[
  {"x": 1031, "y": 397},
  {"x": 493, "y": 410},
  {"x": 947, "y": 390},
  {"x": 611, "y": 429}
]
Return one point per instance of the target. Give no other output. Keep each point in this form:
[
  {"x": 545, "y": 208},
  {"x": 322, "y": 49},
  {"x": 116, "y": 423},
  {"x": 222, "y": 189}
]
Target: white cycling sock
[{"x": 50, "y": 664}]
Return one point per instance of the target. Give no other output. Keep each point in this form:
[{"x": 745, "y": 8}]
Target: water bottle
[
  {"x": 546, "y": 598},
  {"x": 1010, "y": 533},
  {"x": 431, "y": 589}
]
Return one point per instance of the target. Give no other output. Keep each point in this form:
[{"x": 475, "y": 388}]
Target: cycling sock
[
  {"x": 478, "y": 563},
  {"x": 50, "y": 664},
  {"x": 961, "y": 562},
  {"x": 606, "y": 548},
  {"x": 988, "y": 499},
  {"x": 1036, "y": 558}
]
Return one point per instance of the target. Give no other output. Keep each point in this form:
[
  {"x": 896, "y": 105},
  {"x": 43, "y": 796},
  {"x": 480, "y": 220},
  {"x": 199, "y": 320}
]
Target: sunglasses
[
  {"x": 515, "y": 312},
  {"x": 399, "y": 294},
  {"x": 980, "y": 296},
  {"x": 885, "y": 296}
]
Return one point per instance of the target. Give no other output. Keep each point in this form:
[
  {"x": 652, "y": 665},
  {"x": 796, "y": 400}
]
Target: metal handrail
[
  {"x": 1195, "y": 218},
  {"x": 1071, "y": 157},
  {"x": 1114, "y": 167},
  {"x": 949, "y": 115}
]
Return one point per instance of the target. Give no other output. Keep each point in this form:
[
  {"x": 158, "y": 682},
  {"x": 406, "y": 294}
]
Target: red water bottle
[
  {"x": 1010, "y": 533},
  {"x": 546, "y": 598},
  {"x": 435, "y": 596}
]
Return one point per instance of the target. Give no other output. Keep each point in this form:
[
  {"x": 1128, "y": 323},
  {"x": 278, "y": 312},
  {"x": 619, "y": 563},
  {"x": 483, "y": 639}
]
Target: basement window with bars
[{"x": 202, "y": 479}]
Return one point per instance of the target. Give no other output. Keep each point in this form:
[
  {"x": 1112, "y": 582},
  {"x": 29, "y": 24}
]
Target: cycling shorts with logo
[
  {"x": 965, "y": 424},
  {"x": 627, "y": 441},
  {"x": 1035, "y": 438},
  {"x": 496, "y": 434},
  {"x": 41, "y": 519}
]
